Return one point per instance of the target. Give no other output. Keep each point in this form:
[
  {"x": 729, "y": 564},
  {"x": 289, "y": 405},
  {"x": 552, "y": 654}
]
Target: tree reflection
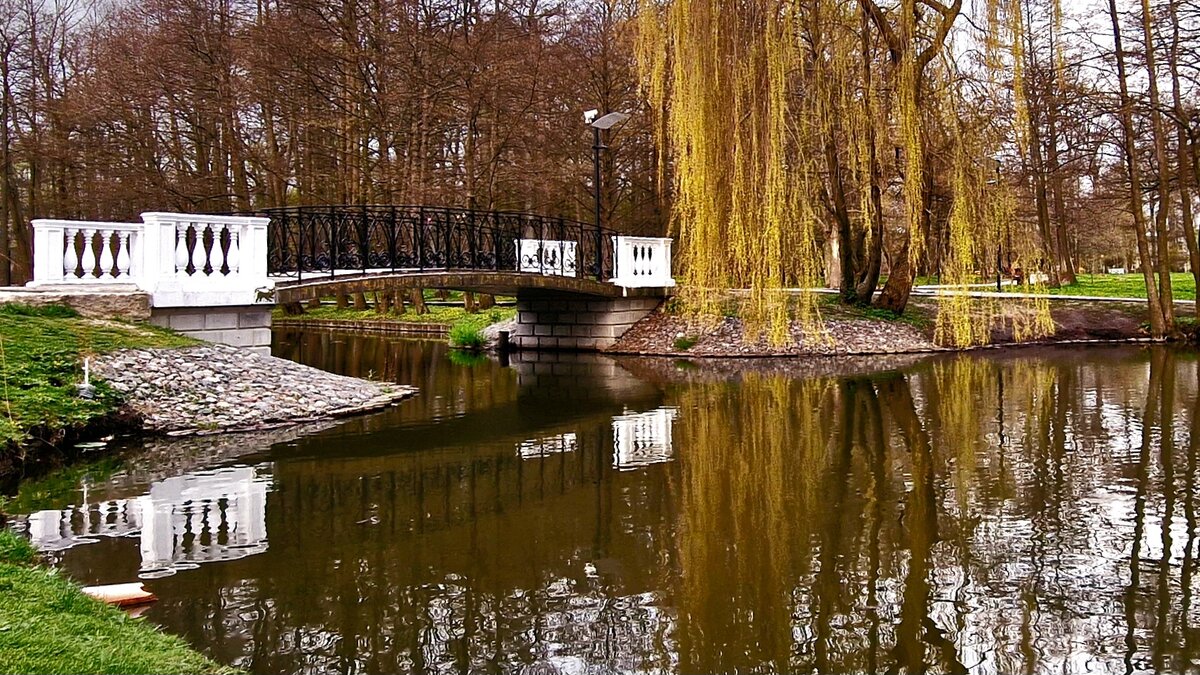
[{"x": 1011, "y": 512}]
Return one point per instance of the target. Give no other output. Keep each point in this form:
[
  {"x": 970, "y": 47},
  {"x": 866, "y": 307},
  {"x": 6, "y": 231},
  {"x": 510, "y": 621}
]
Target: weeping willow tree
[
  {"x": 783, "y": 122},
  {"x": 725, "y": 86}
]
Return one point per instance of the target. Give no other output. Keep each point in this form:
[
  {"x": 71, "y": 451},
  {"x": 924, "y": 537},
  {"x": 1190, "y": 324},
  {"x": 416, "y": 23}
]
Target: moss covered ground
[{"x": 47, "y": 625}]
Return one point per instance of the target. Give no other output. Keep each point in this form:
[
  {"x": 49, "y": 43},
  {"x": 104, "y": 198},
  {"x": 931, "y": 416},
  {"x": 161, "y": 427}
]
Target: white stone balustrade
[
  {"x": 642, "y": 262},
  {"x": 180, "y": 259}
]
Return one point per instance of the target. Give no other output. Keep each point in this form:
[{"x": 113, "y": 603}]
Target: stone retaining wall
[
  {"x": 572, "y": 323},
  {"x": 248, "y": 327}
]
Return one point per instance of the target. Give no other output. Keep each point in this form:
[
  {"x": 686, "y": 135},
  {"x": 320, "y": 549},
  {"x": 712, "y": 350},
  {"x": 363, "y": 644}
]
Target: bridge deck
[{"x": 313, "y": 285}]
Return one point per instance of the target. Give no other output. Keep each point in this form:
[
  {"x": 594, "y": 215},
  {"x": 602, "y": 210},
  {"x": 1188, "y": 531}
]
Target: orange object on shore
[{"x": 121, "y": 595}]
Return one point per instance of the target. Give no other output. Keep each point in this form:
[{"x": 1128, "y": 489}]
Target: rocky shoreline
[
  {"x": 214, "y": 388},
  {"x": 846, "y": 334}
]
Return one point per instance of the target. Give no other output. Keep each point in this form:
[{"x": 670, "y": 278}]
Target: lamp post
[
  {"x": 999, "y": 259},
  {"x": 600, "y": 123}
]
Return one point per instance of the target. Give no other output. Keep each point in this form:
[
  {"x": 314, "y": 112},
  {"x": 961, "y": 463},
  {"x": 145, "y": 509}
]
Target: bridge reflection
[{"x": 181, "y": 522}]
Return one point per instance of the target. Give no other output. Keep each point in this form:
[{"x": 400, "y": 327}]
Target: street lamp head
[
  {"x": 590, "y": 116},
  {"x": 608, "y": 121}
]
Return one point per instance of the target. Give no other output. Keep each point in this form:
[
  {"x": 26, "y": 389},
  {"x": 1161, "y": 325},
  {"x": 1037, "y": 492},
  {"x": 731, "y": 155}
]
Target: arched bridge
[
  {"x": 578, "y": 286},
  {"x": 316, "y": 251}
]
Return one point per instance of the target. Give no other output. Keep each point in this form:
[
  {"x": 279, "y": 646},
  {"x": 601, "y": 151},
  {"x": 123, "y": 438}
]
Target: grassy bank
[
  {"x": 48, "y": 626},
  {"x": 436, "y": 314},
  {"x": 1183, "y": 286},
  {"x": 41, "y": 355},
  {"x": 465, "y": 328}
]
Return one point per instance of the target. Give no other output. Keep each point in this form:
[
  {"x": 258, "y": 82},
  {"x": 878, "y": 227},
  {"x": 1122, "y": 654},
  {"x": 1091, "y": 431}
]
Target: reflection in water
[
  {"x": 1016, "y": 511},
  {"x": 640, "y": 439},
  {"x": 182, "y": 521},
  {"x": 547, "y": 445}
]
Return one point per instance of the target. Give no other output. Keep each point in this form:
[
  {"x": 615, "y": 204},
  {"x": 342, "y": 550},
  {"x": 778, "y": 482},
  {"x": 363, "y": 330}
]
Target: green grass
[
  {"x": 437, "y": 314},
  {"x": 47, "y": 625},
  {"x": 1183, "y": 286},
  {"x": 41, "y": 356}
]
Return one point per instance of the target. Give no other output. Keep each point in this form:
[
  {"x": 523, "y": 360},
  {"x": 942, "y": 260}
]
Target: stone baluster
[
  {"x": 70, "y": 257},
  {"x": 123, "y": 259},
  {"x": 106, "y": 255},
  {"x": 216, "y": 258},
  {"x": 234, "y": 258},
  {"x": 182, "y": 255},
  {"x": 89, "y": 252}
]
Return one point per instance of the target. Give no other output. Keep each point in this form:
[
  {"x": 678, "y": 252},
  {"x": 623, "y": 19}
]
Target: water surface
[{"x": 1011, "y": 511}]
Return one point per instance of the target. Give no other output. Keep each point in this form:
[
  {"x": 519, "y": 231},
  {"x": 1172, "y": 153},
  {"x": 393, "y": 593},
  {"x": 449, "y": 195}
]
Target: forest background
[{"x": 1072, "y": 128}]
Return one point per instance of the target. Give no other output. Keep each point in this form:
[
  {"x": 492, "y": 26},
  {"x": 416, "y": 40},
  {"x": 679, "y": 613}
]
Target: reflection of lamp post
[{"x": 598, "y": 124}]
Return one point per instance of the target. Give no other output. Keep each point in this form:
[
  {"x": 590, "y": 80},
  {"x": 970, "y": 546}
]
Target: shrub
[{"x": 466, "y": 335}]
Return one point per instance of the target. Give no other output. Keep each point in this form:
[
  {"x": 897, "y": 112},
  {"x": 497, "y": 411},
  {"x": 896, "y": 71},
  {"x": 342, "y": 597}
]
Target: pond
[{"x": 1022, "y": 510}]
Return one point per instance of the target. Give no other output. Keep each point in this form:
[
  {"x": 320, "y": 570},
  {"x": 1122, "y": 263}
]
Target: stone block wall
[
  {"x": 245, "y": 326},
  {"x": 573, "y": 323}
]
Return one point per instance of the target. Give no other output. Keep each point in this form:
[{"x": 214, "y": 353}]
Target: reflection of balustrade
[
  {"x": 180, "y": 259},
  {"x": 640, "y": 439},
  {"x": 184, "y": 520},
  {"x": 550, "y": 445},
  {"x": 547, "y": 256}
]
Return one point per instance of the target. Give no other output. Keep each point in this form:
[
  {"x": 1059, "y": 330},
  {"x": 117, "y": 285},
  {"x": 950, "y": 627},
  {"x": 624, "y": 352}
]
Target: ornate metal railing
[{"x": 340, "y": 239}]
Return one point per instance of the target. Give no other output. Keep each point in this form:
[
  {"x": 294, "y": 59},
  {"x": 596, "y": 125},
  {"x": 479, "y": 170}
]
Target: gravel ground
[
  {"x": 656, "y": 334},
  {"x": 212, "y": 388}
]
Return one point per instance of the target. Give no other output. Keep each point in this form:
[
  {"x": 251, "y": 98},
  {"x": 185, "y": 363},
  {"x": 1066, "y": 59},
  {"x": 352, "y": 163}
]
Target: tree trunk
[
  {"x": 417, "y": 297},
  {"x": 1183, "y": 149},
  {"x": 1158, "y": 327},
  {"x": 1162, "y": 233}
]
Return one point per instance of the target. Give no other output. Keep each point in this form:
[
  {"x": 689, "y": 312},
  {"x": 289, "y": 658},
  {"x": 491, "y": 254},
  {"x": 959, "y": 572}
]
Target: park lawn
[
  {"x": 1183, "y": 286},
  {"x": 436, "y": 314},
  {"x": 41, "y": 356},
  {"x": 47, "y": 625}
]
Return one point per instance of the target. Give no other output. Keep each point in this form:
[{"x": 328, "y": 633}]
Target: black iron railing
[{"x": 339, "y": 239}]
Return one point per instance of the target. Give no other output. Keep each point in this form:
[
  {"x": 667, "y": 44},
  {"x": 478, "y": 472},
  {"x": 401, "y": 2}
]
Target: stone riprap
[{"x": 211, "y": 388}]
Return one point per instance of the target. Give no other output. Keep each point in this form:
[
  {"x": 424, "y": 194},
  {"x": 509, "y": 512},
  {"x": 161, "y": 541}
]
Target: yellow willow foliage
[
  {"x": 740, "y": 193},
  {"x": 958, "y": 322},
  {"x": 911, "y": 134},
  {"x": 1020, "y": 102},
  {"x": 652, "y": 58}
]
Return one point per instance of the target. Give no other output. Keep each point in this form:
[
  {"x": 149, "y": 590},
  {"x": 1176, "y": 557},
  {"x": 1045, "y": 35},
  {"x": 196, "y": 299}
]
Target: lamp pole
[
  {"x": 600, "y": 123},
  {"x": 999, "y": 226},
  {"x": 596, "y": 148}
]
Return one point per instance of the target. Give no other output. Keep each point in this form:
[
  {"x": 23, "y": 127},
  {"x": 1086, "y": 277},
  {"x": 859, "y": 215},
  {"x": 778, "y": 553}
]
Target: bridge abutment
[
  {"x": 547, "y": 321},
  {"x": 247, "y": 326}
]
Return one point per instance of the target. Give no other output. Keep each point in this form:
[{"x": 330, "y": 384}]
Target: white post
[
  {"x": 154, "y": 251},
  {"x": 48, "y": 249},
  {"x": 252, "y": 256}
]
